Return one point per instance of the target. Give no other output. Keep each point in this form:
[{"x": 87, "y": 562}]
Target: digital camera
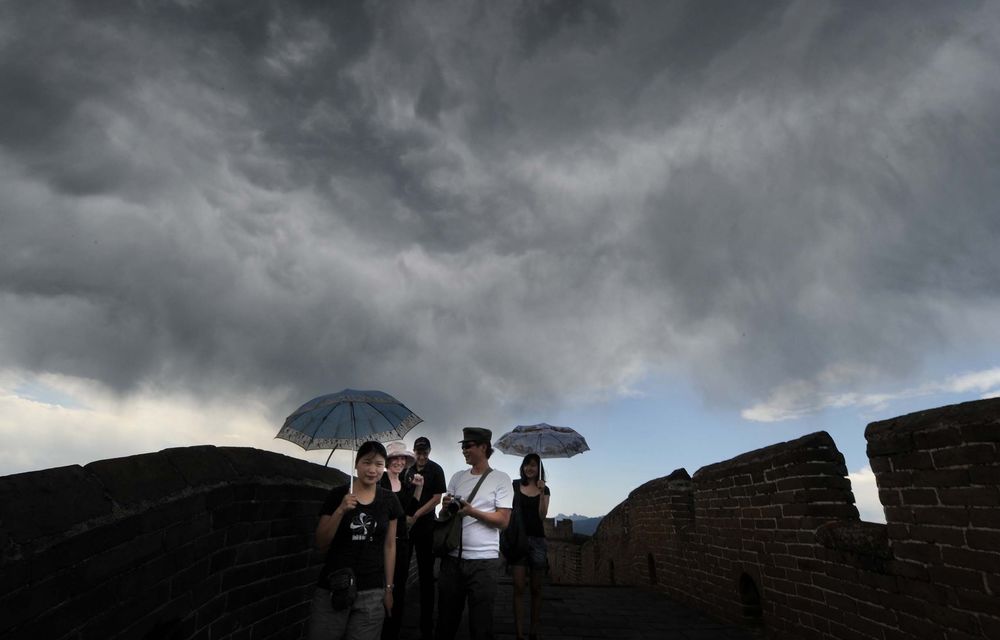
[{"x": 455, "y": 504}]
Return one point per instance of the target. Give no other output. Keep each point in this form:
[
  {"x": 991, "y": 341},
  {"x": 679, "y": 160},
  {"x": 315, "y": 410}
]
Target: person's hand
[
  {"x": 445, "y": 501},
  {"x": 418, "y": 480},
  {"x": 349, "y": 503},
  {"x": 410, "y": 520},
  {"x": 540, "y": 484},
  {"x": 387, "y": 603}
]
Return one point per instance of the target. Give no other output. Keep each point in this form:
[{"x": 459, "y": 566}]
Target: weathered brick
[
  {"x": 953, "y": 634},
  {"x": 965, "y": 455},
  {"x": 918, "y": 627},
  {"x": 901, "y": 479},
  {"x": 903, "y": 604},
  {"x": 938, "y": 478},
  {"x": 910, "y": 461},
  {"x": 980, "y": 560},
  {"x": 868, "y": 628},
  {"x": 842, "y": 602},
  {"x": 898, "y": 514},
  {"x": 925, "y": 552},
  {"x": 916, "y": 571},
  {"x": 953, "y": 618},
  {"x": 971, "y": 496},
  {"x": 985, "y": 539},
  {"x": 973, "y": 600},
  {"x": 937, "y": 438},
  {"x": 943, "y": 535},
  {"x": 985, "y": 475},
  {"x": 877, "y": 613},
  {"x": 843, "y": 632},
  {"x": 919, "y": 497},
  {"x": 888, "y": 443},
  {"x": 929, "y": 592},
  {"x": 880, "y": 464},
  {"x": 890, "y": 497},
  {"x": 990, "y": 625},
  {"x": 984, "y": 518},
  {"x": 981, "y": 432},
  {"x": 957, "y": 577},
  {"x": 949, "y": 515}
]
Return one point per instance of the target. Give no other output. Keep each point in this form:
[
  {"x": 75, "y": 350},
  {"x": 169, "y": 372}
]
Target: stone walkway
[{"x": 571, "y": 612}]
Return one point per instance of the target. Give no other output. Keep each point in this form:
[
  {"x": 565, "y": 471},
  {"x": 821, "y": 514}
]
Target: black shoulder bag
[{"x": 448, "y": 526}]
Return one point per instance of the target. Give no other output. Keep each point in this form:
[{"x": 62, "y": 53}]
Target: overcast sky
[{"x": 499, "y": 212}]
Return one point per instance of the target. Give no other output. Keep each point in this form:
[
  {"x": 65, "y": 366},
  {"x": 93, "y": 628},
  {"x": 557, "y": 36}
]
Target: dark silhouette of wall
[
  {"x": 190, "y": 543},
  {"x": 772, "y": 538}
]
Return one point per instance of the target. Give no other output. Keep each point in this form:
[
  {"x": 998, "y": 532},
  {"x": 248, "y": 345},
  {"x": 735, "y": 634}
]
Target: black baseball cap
[{"x": 421, "y": 443}]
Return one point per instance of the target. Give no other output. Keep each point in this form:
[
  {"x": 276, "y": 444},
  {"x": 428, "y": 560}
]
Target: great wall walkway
[{"x": 573, "y": 612}]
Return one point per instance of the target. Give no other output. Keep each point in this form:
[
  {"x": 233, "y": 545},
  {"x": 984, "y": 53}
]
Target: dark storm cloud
[{"x": 494, "y": 207}]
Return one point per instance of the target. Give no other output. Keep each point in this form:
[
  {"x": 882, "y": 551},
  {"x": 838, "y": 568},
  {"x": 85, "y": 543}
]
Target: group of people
[{"x": 370, "y": 531}]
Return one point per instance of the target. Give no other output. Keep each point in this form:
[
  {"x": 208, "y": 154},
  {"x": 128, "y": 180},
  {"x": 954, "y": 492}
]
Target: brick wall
[
  {"x": 938, "y": 475},
  {"x": 199, "y": 542},
  {"x": 772, "y": 538}
]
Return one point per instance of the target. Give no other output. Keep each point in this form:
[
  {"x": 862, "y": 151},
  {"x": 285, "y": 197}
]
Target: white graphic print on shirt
[{"x": 363, "y": 527}]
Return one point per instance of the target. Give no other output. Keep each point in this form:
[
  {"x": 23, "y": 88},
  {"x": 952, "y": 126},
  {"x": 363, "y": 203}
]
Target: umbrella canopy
[
  {"x": 346, "y": 419},
  {"x": 544, "y": 439}
]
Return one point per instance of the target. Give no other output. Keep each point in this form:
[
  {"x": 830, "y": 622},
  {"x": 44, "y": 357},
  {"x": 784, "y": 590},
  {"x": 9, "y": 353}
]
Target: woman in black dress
[{"x": 533, "y": 501}]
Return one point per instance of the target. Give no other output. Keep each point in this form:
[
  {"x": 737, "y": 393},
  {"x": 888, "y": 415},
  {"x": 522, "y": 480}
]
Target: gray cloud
[{"x": 497, "y": 207}]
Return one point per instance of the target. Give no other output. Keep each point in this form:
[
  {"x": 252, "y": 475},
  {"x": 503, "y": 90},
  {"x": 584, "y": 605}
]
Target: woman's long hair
[{"x": 541, "y": 469}]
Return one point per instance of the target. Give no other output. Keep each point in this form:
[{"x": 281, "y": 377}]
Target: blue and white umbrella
[
  {"x": 544, "y": 439},
  {"x": 346, "y": 419}
]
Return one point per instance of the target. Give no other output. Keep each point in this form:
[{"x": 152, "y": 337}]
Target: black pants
[
  {"x": 390, "y": 629},
  {"x": 421, "y": 540},
  {"x": 474, "y": 581}
]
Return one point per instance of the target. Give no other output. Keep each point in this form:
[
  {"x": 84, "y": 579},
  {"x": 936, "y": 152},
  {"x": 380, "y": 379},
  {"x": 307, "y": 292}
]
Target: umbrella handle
[{"x": 350, "y": 486}]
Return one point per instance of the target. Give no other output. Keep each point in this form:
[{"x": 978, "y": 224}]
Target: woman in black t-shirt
[
  {"x": 358, "y": 531},
  {"x": 533, "y": 502}
]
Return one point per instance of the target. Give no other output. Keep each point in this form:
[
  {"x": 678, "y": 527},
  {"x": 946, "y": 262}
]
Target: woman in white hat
[{"x": 398, "y": 460}]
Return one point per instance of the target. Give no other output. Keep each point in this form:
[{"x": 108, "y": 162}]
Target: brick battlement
[
  {"x": 199, "y": 542},
  {"x": 772, "y": 537}
]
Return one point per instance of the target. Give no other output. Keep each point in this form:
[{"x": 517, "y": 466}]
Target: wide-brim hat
[{"x": 398, "y": 450}]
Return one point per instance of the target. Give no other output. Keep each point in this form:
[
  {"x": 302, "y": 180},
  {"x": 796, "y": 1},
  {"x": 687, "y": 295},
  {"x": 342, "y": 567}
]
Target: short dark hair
[
  {"x": 541, "y": 469},
  {"x": 370, "y": 447}
]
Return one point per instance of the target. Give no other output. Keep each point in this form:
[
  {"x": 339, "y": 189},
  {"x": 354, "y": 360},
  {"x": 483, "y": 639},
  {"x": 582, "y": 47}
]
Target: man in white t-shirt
[{"x": 471, "y": 572}]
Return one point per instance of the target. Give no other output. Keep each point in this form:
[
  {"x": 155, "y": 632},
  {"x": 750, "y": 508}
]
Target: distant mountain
[{"x": 582, "y": 524}]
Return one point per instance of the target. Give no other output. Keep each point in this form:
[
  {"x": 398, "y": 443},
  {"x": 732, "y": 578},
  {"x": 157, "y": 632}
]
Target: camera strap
[{"x": 469, "y": 500}]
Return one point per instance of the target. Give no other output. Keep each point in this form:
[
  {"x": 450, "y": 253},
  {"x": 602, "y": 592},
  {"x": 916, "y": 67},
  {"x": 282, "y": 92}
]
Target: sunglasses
[{"x": 468, "y": 444}]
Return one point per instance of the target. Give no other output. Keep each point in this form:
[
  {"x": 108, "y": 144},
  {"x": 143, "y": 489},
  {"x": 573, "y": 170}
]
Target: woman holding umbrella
[
  {"x": 533, "y": 503},
  {"x": 357, "y": 530}
]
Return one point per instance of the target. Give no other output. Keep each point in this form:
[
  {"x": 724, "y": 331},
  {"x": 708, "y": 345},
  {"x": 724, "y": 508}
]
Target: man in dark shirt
[{"x": 422, "y": 529}]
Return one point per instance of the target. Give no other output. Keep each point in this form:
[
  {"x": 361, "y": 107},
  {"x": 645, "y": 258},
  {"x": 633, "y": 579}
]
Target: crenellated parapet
[
  {"x": 195, "y": 542},
  {"x": 772, "y": 538}
]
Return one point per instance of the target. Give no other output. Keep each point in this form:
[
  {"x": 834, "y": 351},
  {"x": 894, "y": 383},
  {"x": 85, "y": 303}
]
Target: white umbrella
[{"x": 546, "y": 440}]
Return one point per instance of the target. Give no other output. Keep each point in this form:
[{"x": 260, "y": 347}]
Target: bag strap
[{"x": 461, "y": 530}]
